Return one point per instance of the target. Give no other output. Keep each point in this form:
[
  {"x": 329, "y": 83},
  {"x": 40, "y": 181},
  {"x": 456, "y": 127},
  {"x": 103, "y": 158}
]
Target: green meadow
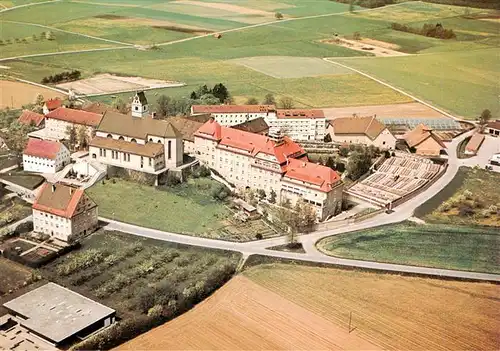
[{"x": 458, "y": 75}]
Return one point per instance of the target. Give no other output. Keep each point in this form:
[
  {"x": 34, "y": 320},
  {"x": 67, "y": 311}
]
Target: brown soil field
[
  {"x": 391, "y": 311},
  {"x": 245, "y": 316},
  {"x": 13, "y": 275},
  {"x": 375, "y": 47},
  {"x": 114, "y": 20},
  {"x": 16, "y": 94},
  {"x": 227, "y": 7},
  {"x": 408, "y": 110}
]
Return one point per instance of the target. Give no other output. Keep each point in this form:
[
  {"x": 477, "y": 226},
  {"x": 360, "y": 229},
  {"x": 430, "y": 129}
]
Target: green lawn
[
  {"x": 440, "y": 246},
  {"x": 188, "y": 208}
]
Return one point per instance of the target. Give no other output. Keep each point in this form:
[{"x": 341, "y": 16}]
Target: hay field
[
  {"x": 407, "y": 110},
  {"x": 393, "y": 312},
  {"x": 290, "y": 67},
  {"x": 16, "y": 94},
  {"x": 245, "y": 316}
]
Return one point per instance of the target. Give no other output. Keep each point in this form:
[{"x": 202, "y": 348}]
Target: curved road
[{"x": 312, "y": 254}]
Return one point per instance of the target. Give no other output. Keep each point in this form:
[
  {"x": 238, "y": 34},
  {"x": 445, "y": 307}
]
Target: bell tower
[{"x": 140, "y": 105}]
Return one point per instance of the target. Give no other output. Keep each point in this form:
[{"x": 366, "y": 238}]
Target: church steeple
[{"x": 140, "y": 105}]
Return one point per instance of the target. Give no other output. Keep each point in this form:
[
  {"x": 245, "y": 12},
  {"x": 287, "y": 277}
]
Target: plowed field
[{"x": 245, "y": 316}]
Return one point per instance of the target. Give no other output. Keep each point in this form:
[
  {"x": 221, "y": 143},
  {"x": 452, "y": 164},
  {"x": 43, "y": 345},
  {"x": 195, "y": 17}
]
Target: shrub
[
  {"x": 468, "y": 194},
  {"x": 465, "y": 210},
  {"x": 220, "y": 192},
  {"x": 204, "y": 171},
  {"x": 278, "y": 15},
  {"x": 344, "y": 151},
  {"x": 81, "y": 260},
  {"x": 155, "y": 311},
  {"x": 24, "y": 227},
  {"x": 172, "y": 180},
  {"x": 493, "y": 209},
  {"x": 444, "y": 207},
  {"x": 258, "y": 236}
]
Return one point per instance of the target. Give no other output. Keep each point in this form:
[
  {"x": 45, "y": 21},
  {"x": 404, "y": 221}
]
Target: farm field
[
  {"x": 471, "y": 198},
  {"x": 473, "y": 249},
  {"x": 13, "y": 276},
  {"x": 132, "y": 274},
  {"x": 390, "y": 312},
  {"x": 406, "y": 110},
  {"x": 245, "y": 316},
  {"x": 16, "y": 94}
]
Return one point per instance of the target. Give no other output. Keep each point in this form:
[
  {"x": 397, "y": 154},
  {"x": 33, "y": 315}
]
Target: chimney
[{"x": 53, "y": 188}]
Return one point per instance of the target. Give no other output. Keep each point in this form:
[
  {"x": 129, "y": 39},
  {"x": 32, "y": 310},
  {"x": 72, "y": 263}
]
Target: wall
[
  {"x": 84, "y": 223},
  {"x": 57, "y": 129},
  {"x": 54, "y": 226},
  {"x": 105, "y": 156}
]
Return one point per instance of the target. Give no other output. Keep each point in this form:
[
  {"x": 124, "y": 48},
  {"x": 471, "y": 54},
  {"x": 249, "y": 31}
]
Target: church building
[{"x": 137, "y": 141}]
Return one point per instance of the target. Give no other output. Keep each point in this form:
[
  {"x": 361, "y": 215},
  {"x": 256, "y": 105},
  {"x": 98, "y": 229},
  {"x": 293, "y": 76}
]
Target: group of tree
[
  {"x": 484, "y": 117},
  {"x": 77, "y": 136},
  {"x": 43, "y": 35},
  {"x": 428, "y": 30},
  {"x": 334, "y": 163},
  {"x": 365, "y": 3},
  {"x": 359, "y": 163},
  {"x": 62, "y": 77},
  {"x": 299, "y": 219},
  {"x": 218, "y": 94}
]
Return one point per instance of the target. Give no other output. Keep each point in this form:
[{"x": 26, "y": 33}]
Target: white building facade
[
  {"x": 254, "y": 161},
  {"x": 64, "y": 212},
  {"x": 44, "y": 156},
  {"x": 299, "y": 124},
  {"x": 58, "y": 122}
]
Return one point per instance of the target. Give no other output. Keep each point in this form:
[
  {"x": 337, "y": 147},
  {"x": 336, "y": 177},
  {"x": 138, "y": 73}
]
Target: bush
[
  {"x": 24, "y": 227},
  {"x": 428, "y": 30},
  {"x": 62, "y": 77},
  {"x": 258, "y": 236},
  {"x": 465, "y": 210},
  {"x": 204, "y": 171},
  {"x": 172, "y": 180},
  {"x": 344, "y": 151},
  {"x": 220, "y": 192}
]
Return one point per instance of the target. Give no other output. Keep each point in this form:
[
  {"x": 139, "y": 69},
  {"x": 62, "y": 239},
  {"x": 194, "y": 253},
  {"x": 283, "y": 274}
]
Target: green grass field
[
  {"x": 440, "y": 246},
  {"x": 457, "y": 75},
  {"x": 187, "y": 209}
]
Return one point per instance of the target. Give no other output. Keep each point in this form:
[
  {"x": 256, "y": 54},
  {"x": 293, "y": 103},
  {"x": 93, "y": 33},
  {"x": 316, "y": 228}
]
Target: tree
[
  {"x": 286, "y": 102},
  {"x": 121, "y": 106},
  {"x": 34, "y": 37},
  {"x": 359, "y": 163},
  {"x": 16, "y": 137},
  {"x": 330, "y": 162},
  {"x": 278, "y": 15},
  {"x": 72, "y": 136},
  {"x": 356, "y": 36},
  {"x": 351, "y": 6},
  {"x": 272, "y": 197},
  {"x": 163, "y": 106},
  {"x": 82, "y": 137},
  {"x": 202, "y": 90},
  {"x": 344, "y": 151},
  {"x": 485, "y": 117},
  {"x": 252, "y": 101},
  {"x": 220, "y": 92},
  {"x": 38, "y": 103},
  {"x": 327, "y": 138},
  {"x": 269, "y": 99},
  {"x": 299, "y": 220},
  {"x": 209, "y": 99},
  {"x": 261, "y": 193}
]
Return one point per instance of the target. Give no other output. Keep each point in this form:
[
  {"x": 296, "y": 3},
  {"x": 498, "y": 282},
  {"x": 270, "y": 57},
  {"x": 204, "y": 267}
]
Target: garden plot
[
  {"x": 109, "y": 84},
  {"x": 290, "y": 67}
]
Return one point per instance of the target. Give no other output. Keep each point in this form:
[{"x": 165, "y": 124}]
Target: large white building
[
  {"x": 255, "y": 161},
  {"x": 59, "y": 120},
  {"x": 44, "y": 156},
  {"x": 299, "y": 124},
  {"x": 361, "y": 130},
  {"x": 64, "y": 212},
  {"x": 137, "y": 142}
]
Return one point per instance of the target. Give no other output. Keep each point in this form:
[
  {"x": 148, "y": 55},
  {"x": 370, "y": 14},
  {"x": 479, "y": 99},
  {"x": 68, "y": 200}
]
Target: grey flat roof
[{"x": 56, "y": 312}]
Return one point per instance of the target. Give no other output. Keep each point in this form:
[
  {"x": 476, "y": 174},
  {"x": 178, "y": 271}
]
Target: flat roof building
[{"x": 57, "y": 314}]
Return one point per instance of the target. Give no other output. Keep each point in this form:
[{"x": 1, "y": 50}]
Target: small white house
[{"x": 45, "y": 156}]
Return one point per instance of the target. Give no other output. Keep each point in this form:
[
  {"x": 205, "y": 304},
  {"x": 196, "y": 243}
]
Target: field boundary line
[
  {"x": 69, "y": 32},
  {"x": 64, "y": 53},
  {"x": 275, "y": 22},
  {"x": 27, "y": 5},
  {"x": 40, "y": 85},
  {"x": 394, "y": 88}
]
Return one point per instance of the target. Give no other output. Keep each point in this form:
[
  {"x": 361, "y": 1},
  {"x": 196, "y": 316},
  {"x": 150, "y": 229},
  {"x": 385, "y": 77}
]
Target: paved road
[{"x": 26, "y": 5}]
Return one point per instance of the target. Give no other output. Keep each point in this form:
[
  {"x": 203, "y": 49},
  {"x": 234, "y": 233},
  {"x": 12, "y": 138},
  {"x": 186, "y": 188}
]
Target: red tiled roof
[
  {"x": 42, "y": 148},
  {"x": 30, "y": 117},
  {"x": 296, "y": 113},
  {"x": 58, "y": 199},
  {"x": 475, "y": 142},
  {"x": 52, "y": 104},
  {"x": 312, "y": 173},
  {"x": 232, "y": 108},
  {"x": 75, "y": 116},
  {"x": 249, "y": 142},
  {"x": 494, "y": 124}
]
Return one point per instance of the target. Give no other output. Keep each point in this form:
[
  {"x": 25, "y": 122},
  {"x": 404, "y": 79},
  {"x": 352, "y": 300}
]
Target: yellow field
[
  {"x": 17, "y": 94},
  {"x": 244, "y": 316},
  {"x": 394, "y": 312}
]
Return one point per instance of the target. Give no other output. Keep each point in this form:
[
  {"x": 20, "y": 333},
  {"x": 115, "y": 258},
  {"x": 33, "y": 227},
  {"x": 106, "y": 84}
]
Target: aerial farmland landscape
[{"x": 249, "y": 175}]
